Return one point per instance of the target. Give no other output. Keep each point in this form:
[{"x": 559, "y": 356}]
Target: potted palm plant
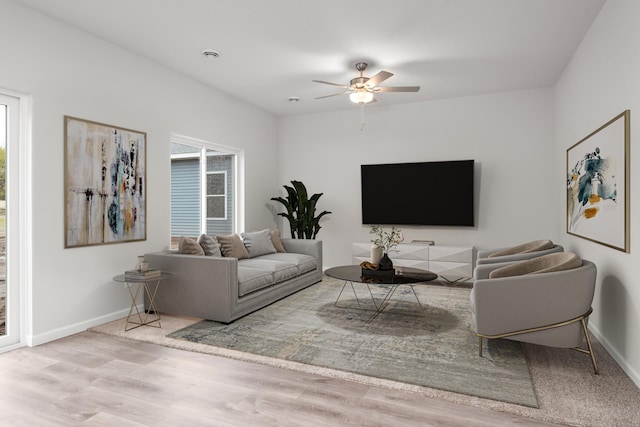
[{"x": 301, "y": 211}]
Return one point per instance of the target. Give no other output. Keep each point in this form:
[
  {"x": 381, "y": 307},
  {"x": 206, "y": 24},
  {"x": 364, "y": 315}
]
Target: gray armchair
[
  {"x": 520, "y": 252},
  {"x": 545, "y": 300}
]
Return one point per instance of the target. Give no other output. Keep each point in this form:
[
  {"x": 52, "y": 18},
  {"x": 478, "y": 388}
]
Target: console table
[{"x": 453, "y": 264}]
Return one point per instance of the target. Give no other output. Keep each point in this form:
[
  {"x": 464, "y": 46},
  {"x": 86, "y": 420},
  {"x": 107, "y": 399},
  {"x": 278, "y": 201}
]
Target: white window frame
[
  {"x": 238, "y": 176},
  {"x": 223, "y": 195}
]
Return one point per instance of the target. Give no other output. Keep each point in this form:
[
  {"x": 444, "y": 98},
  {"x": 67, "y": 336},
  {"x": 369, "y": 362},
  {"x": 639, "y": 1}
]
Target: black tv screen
[{"x": 426, "y": 193}]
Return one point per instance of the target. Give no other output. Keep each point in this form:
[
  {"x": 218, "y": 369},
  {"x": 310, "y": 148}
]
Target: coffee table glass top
[{"x": 403, "y": 275}]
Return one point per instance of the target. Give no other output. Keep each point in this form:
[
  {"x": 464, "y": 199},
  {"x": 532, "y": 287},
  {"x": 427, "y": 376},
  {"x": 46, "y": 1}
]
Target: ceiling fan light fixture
[
  {"x": 361, "y": 96},
  {"x": 361, "y": 89}
]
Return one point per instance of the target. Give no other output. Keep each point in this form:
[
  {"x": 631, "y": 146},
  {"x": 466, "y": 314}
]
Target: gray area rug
[
  {"x": 568, "y": 392},
  {"x": 432, "y": 345}
]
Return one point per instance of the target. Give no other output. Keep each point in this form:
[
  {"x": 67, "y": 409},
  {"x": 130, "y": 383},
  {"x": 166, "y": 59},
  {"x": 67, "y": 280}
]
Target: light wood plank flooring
[{"x": 100, "y": 380}]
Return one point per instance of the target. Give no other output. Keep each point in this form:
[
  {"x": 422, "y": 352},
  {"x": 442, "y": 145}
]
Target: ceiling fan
[{"x": 361, "y": 89}]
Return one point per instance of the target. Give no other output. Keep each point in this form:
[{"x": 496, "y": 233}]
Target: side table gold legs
[{"x": 136, "y": 318}]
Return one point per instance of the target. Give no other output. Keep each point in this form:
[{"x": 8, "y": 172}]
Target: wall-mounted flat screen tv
[{"x": 425, "y": 193}]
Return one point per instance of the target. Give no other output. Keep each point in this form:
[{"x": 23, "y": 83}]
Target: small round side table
[{"x": 134, "y": 317}]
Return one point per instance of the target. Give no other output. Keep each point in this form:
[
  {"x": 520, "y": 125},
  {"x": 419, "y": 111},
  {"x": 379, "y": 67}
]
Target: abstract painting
[
  {"x": 598, "y": 185},
  {"x": 105, "y": 183}
]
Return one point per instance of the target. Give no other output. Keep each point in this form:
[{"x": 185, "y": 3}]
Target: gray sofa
[{"x": 225, "y": 289}]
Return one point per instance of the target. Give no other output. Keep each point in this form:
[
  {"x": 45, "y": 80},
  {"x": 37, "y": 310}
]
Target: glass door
[{"x": 9, "y": 288}]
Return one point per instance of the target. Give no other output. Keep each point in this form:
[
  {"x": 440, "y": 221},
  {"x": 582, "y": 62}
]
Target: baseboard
[
  {"x": 631, "y": 373},
  {"x": 56, "y": 334}
]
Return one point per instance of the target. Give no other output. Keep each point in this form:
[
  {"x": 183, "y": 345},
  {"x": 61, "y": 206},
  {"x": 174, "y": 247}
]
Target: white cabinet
[{"x": 451, "y": 263}]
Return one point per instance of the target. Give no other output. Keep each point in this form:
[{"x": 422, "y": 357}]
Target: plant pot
[{"x": 385, "y": 263}]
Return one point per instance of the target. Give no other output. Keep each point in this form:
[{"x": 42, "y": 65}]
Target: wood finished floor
[{"x": 99, "y": 380}]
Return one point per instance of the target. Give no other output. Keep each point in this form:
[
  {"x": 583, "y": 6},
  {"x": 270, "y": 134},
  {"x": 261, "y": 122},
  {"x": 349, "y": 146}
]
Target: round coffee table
[{"x": 401, "y": 276}]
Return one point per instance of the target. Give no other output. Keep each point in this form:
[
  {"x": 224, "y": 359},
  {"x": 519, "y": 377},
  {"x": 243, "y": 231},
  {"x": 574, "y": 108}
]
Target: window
[
  {"x": 203, "y": 189},
  {"x": 216, "y": 195}
]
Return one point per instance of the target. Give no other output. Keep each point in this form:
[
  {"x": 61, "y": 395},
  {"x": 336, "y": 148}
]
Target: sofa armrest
[
  {"x": 515, "y": 303},
  {"x": 213, "y": 283}
]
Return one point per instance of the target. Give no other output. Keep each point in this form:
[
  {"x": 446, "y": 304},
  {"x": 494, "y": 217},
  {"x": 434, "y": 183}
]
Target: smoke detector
[{"x": 210, "y": 54}]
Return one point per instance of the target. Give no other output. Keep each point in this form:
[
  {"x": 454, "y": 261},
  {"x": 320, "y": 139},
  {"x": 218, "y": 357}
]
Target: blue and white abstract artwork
[{"x": 597, "y": 187}]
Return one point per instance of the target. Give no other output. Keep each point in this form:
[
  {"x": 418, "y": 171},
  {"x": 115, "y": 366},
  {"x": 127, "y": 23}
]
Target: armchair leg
[
  {"x": 589, "y": 350},
  {"x": 581, "y": 319},
  {"x": 479, "y": 346}
]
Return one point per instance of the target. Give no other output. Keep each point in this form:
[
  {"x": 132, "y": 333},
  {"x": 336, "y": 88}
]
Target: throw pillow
[
  {"x": 258, "y": 243},
  {"x": 231, "y": 246},
  {"x": 275, "y": 240},
  {"x": 210, "y": 245},
  {"x": 189, "y": 246},
  {"x": 544, "y": 264},
  {"x": 534, "y": 246}
]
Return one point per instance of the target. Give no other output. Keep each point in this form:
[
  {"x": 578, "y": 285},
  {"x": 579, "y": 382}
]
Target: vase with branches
[{"x": 387, "y": 240}]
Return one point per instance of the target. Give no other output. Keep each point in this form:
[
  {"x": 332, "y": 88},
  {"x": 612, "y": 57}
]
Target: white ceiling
[{"x": 270, "y": 50}]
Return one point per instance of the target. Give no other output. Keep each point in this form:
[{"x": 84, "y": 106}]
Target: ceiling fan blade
[
  {"x": 333, "y": 94},
  {"x": 378, "y": 78},
  {"x": 329, "y": 83},
  {"x": 398, "y": 89}
]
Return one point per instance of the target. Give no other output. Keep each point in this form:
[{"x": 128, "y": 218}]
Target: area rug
[{"x": 429, "y": 343}]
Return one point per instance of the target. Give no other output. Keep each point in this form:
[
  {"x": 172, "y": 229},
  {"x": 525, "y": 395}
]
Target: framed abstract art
[
  {"x": 104, "y": 183},
  {"x": 598, "y": 185}
]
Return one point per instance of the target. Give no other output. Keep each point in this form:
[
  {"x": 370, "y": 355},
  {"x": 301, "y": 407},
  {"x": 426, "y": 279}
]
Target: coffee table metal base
[{"x": 378, "y": 307}]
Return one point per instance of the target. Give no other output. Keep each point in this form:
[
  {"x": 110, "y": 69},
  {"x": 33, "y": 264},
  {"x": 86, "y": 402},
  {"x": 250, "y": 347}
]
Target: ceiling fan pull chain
[{"x": 361, "y": 116}]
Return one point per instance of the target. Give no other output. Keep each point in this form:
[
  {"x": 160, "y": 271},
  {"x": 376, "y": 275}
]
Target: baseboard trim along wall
[
  {"x": 620, "y": 360},
  {"x": 66, "y": 331}
]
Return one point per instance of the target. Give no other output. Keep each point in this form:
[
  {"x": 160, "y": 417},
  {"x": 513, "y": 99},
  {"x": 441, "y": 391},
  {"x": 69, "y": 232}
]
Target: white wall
[
  {"x": 602, "y": 80},
  {"x": 509, "y": 135},
  {"x": 68, "y": 72}
]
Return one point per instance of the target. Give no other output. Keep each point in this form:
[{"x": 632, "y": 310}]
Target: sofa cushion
[
  {"x": 281, "y": 270},
  {"x": 544, "y": 264},
  {"x": 304, "y": 263},
  {"x": 277, "y": 242},
  {"x": 189, "y": 246},
  {"x": 258, "y": 243},
  {"x": 209, "y": 245},
  {"x": 253, "y": 279},
  {"x": 231, "y": 246}
]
